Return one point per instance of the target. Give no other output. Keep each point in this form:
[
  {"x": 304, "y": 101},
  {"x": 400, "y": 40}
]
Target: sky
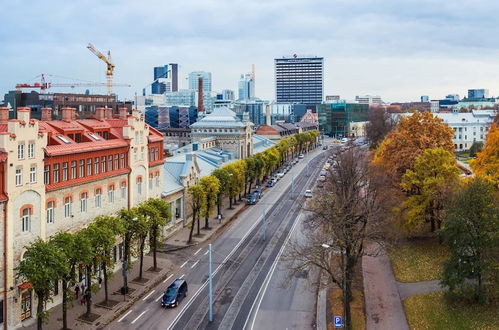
[{"x": 398, "y": 49}]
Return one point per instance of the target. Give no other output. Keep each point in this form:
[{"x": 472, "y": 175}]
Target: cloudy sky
[{"x": 399, "y": 49}]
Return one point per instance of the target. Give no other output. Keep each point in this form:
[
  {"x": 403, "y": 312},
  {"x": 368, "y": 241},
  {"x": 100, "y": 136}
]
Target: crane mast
[{"x": 110, "y": 66}]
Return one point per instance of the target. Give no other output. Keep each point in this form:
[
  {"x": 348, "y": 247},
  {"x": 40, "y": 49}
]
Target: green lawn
[
  {"x": 418, "y": 261},
  {"x": 433, "y": 311}
]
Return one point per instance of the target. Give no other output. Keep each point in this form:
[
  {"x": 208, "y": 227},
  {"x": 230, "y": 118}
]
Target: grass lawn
[
  {"x": 416, "y": 261},
  {"x": 356, "y": 306},
  {"x": 433, "y": 311}
]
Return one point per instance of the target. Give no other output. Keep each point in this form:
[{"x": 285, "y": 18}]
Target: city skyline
[{"x": 398, "y": 51}]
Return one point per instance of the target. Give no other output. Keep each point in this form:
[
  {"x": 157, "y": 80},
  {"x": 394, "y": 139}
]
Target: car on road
[
  {"x": 301, "y": 156},
  {"x": 344, "y": 140},
  {"x": 175, "y": 293},
  {"x": 279, "y": 175},
  {"x": 295, "y": 161},
  {"x": 258, "y": 192},
  {"x": 324, "y": 148},
  {"x": 308, "y": 193},
  {"x": 270, "y": 183},
  {"x": 252, "y": 199}
]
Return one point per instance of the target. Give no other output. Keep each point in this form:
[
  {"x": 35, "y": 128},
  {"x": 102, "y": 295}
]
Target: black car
[
  {"x": 252, "y": 199},
  {"x": 270, "y": 184},
  {"x": 174, "y": 293},
  {"x": 258, "y": 192}
]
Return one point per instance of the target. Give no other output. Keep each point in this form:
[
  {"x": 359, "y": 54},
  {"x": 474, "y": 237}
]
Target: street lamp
[{"x": 327, "y": 246}]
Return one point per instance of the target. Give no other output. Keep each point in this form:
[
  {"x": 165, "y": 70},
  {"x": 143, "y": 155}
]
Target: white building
[{"x": 369, "y": 99}]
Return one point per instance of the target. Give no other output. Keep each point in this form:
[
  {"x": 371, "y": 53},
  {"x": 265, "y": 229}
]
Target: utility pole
[{"x": 210, "y": 288}]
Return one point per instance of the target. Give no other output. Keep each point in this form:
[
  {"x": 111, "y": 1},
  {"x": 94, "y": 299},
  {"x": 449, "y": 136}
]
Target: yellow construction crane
[{"x": 110, "y": 66}]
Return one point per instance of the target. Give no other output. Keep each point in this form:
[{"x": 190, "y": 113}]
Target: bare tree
[
  {"x": 379, "y": 125},
  {"x": 343, "y": 219}
]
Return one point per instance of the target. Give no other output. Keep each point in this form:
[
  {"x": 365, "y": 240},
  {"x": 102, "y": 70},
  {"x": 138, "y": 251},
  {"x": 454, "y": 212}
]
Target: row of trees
[
  {"x": 235, "y": 180},
  {"x": 63, "y": 255}
]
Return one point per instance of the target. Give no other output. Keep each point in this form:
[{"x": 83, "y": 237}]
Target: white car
[
  {"x": 301, "y": 156},
  {"x": 308, "y": 193},
  {"x": 344, "y": 140},
  {"x": 279, "y": 175}
]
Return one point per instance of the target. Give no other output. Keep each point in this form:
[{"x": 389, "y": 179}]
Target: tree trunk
[
  {"x": 230, "y": 203},
  {"x": 141, "y": 248},
  {"x": 39, "y": 310},
  {"x": 89, "y": 291},
  {"x": 192, "y": 226},
  {"x": 199, "y": 220},
  {"x": 219, "y": 204},
  {"x": 64, "y": 304},
  {"x": 106, "y": 296},
  {"x": 154, "y": 247},
  {"x": 125, "y": 262}
]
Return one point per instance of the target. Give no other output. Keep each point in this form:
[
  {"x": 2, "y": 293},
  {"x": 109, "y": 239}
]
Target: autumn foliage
[
  {"x": 486, "y": 164},
  {"x": 411, "y": 137}
]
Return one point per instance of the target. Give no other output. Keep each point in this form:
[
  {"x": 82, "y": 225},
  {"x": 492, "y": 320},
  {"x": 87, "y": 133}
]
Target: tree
[
  {"x": 429, "y": 185},
  {"x": 146, "y": 214},
  {"x": 155, "y": 226},
  {"x": 344, "y": 217},
  {"x": 475, "y": 148},
  {"x": 127, "y": 231},
  {"x": 410, "y": 138},
  {"x": 197, "y": 197},
  {"x": 487, "y": 162},
  {"x": 43, "y": 263},
  {"x": 76, "y": 250},
  {"x": 232, "y": 184},
  {"x": 250, "y": 173},
  {"x": 378, "y": 126},
  {"x": 223, "y": 178},
  {"x": 211, "y": 186},
  {"x": 472, "y": 233}
]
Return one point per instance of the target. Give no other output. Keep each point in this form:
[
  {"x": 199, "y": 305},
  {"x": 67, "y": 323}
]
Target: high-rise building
[
  {"x": 299, "y": 79},
  {"x": 425, "y": 98},
  {"x": 165, "y": 79},
  {"x": 194, "y": 79},
  {"x": 478, "y": 93},
  {"x": 246, "y": 86}
]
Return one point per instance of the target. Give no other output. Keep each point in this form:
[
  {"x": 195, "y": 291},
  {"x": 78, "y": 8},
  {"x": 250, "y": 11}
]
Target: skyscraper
[
  {"x": 165, "y": 79},
  {"x": 193, "y": 80},
  {"x": 246, "y": 86},
  {"x": 299, "y": 79}
]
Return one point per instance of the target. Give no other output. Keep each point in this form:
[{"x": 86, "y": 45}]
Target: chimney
[
  {"x": 99, "y": 113},
  {"x": 268, "y": 120},
  {"x": 23, "y": 113},
  {"x": 200, "y": 95},
  {"x": 67, "y": 114},
  {"x": 108, "y": 113},
  {"x": 123, "y": 113},
  {"x": 4, "y": 114},
  {"x": 46, "y": 114},
  {"x": 73, "y": 114}
]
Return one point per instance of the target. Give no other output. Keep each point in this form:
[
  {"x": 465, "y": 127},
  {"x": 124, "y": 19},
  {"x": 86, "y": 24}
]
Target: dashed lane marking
[
  {"x": 150, "y": 293},
  {"x": 138, "y": 317},
  {"x": 121, "y": 319}
]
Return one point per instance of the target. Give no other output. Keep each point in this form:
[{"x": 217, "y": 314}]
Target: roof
[
  {"x": 220, "y": 117},
  {"x": 172, "y": 185}
]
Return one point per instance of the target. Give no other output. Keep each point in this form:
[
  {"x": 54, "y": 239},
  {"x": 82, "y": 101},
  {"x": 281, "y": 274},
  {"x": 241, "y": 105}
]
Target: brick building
[{"x": 58, "y": 175}]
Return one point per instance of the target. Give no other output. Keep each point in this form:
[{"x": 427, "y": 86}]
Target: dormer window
[
  {"x": 63, "y": 139},
  {"x": 93, "y": 136}
]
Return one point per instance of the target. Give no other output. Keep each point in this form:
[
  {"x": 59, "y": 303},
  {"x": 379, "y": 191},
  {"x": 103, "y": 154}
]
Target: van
[{"x": 175, "y": 293}]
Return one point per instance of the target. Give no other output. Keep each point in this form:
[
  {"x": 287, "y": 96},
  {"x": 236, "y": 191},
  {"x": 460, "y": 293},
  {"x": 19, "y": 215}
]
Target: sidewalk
[{"x": 178, "y": 240}]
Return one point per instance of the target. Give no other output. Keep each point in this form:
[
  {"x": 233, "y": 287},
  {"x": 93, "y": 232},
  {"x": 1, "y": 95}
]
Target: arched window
[
  {"x": 123, "y": 189},
  {"x": 139, "y": 185},
  {"x": 98, "y": 196},
  {"x": 67, "y": 207},
  {"x": 83, "y": 201},
  {"x": 50, "y": 212},
  {"x": 150, "y": 181},
  {"x": 110, "y": 193},
  {"x": 26, "y": 219}
]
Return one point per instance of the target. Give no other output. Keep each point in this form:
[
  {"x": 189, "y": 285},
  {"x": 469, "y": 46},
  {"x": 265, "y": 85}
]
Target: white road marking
[
  {"x": 206, "y": 252},
  {"x": 198, "y": 251},
  {"x": 166, "y": 279},
  {"x": 138, "y": 317},
  {"x": 182, "y": 276},
  {"x": 121, "y": 319},
  {"x": 194, "y": 265},
  {"x": 150, "y": 293},
  {"x": 185, "y": 263},
  {"x": 157, "y": 299},
  {"x": 261, "y": 293}
]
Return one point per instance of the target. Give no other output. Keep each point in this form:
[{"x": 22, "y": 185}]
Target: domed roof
[{"x": 220, "y": 117}]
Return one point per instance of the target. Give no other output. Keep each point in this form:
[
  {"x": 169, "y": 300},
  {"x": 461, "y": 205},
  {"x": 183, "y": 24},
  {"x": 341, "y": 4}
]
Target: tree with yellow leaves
[
  {"x": 486, "y": 164},
  {"x": 410, "y": 138}
]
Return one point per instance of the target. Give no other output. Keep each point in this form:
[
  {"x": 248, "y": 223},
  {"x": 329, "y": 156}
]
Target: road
[{"x": 243, "y": 255}]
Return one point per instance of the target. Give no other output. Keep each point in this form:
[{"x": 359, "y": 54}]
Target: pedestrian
[
  {"x": 100, "y": 281},
  {"x": 82, "y": 300},
  {"x": 77, "y": 291},
  {"x": 82, "y": 288}
]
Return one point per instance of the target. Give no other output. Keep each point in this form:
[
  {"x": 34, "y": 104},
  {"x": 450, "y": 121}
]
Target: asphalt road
[{"x": 243, "y": 255}]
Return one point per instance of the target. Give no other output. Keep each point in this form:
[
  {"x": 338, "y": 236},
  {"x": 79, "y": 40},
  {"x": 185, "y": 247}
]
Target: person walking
[{"x": 77, "y": 291}]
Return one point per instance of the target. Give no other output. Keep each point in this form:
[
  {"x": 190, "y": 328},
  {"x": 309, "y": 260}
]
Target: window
[
  {"x": 116, "y": 161},
  {"x": 89, "y": 166},
  {"x": 20, "y": 151},
  {"x": 32, "y": 174},
  {"x": 50, "y": 212},
  {"x": 103, "y": 164},
  {"x": 31, "y": 150},
  {"x": 96, "y": 165},
  {"x": 157, "y": 179},
  {"x": 139, "y": 185},
  {"x": 73, "y": 169},
  {"x": 19, "y": 176},
  {"x": 142, "y": 153},
  {"x": 67, "y": 207},
  {"x": 46, "y": 174},
  {"x": 82, "y": 168},
  {"x": 150, "y": 181},
  {"x": 63, "y": 139},
  {"x": 83, "y": 202},
  {"x": 110, "y": 163},
  {"x": 156, "y": 156},
  {"x": 98, "y": 193},
  {"x": 110, "y": 194},
  {"x": 123, "y": 190},
  {"x": 141, "y": 137},
  {"x": 135, "y": 154},
  {"x": 122, "y": 160},
  {"x": 26, "y": 220},
  {"x": 56, "y": 173},
  {"x": 93, "y": 136},
  {"x": 65, "y": 171}
]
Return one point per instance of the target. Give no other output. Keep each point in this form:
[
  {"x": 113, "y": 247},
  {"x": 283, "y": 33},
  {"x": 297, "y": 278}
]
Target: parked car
[
  {"x": 270, "y": 183},
  {"x": 175, "y": 293},
  {"x": 308, "y": 193},
  {"x": 280, "y": 175},
  {"x": 344, "y": 140},
  {"x": 301, "y": 156},
  {"x": 324, "y": 148},
  {"x": 295, "y": 161},
  {"x": 252, "y": 199},
  {"x": 258, "y": 192}
]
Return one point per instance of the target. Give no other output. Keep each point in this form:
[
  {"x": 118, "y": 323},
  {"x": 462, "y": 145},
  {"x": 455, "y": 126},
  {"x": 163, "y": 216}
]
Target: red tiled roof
[
  {"x": 94, "y": 123},
  {"x": 63, "y": 149}
]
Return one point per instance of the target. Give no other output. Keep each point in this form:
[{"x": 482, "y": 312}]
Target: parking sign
[{"x": 338, "y": 322}]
